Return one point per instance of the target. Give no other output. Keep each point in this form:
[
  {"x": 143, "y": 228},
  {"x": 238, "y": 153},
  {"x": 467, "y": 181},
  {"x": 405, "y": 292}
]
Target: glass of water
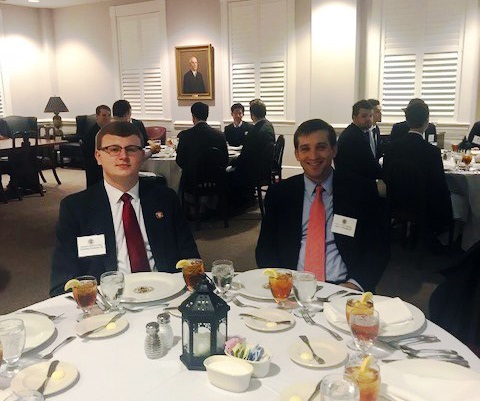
[
  {"x": 337, "y": 387},
  {"x": 306, "y": 286},
  {"x": 12, "y": 337},
  {"x": 222, "y": 273},
  {"x": 113, "y": 283}
]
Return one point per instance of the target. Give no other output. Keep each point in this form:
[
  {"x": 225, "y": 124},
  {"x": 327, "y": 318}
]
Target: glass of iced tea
[
  {"x": 85, "y": 293},
  {"x": 364, "y": 330},
  {"x": 193, "y": 271},
  {"x": 455, "y": 147},
  {"x": 365, "y": 371},
  {"x": 467, "y": 159},
  {"x": 356, "y": 306},
  {"x": 281, "y": 285}
]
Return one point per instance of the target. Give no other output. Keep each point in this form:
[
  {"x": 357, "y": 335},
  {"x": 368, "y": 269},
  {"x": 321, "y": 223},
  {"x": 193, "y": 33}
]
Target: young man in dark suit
[
  {"x": 236, "y": 132},
  {"x": 356, "y": 247},
  {"x": 96, "y": 227},
  {"x": 122, "y": 111}
]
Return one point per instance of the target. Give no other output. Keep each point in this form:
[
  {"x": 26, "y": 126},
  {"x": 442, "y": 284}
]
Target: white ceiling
[{"x": 50, "y": 3}]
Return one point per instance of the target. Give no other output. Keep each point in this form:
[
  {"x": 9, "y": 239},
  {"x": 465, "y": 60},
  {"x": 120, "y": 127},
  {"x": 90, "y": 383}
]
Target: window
[
  {"x": 259, "y": 53},
  {"x": 422, "y": 44},
  {"x": 141, "y": 42}
]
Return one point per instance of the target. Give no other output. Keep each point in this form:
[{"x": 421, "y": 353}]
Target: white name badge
[
  {"x": 431, "y": 137},
  {"x": 476, "y": 140},
  {"x": 344, "y": 225},
  {"x": 91, "y": 245}
]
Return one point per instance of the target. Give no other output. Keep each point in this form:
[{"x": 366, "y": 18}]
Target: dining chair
[
  {"x": 278, "y": 159},
  {"x": 264, "y": 174},
  {"x": 157, "y": 133}
]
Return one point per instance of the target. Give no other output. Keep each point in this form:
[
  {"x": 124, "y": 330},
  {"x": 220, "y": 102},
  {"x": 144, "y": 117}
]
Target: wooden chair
[{"x": 157, "y": 133}]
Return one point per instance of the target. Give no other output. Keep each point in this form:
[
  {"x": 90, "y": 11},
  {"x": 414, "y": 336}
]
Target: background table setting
[{"x": 111, "y": 364}]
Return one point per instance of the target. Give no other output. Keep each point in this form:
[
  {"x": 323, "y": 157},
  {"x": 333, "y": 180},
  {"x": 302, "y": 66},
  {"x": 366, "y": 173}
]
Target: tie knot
[
  {"x": 126, "y": 197},
  {"x": 318, "y": 190}
]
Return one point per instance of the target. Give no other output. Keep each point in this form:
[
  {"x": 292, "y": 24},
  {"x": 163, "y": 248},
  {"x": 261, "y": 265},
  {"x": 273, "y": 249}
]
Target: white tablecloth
[
  {"x": 166, "y": 166},
  {"x": 116, "y": 368}
]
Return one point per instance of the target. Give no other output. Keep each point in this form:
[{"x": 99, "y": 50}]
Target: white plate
[
  {"x": 157, "y": 286},
  {"x": 93, "y": 322},
  {"x": 332, "y": 352},
  {"x": 274, "y": 315},
  {"x": 38, "y": 329},
  {"x": 391, "y": 330},
  {"x": 301, "y": 390},
  {"x": 32, "y": 378},
  {"x": 254, "y": 284}
]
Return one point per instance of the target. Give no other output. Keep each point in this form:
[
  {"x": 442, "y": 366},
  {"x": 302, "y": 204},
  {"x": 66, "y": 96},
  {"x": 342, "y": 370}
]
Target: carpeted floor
[{"x": 27, "y": 238}]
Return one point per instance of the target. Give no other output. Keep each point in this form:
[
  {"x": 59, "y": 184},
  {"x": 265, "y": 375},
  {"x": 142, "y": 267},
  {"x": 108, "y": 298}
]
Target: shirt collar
[
  {"x": 327, "y": 184},
  {"x": 114, "y": 194}
]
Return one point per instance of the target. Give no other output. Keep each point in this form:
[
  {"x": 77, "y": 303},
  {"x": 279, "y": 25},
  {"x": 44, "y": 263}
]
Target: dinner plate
[
  {"x": 32, "y": 378},
  {"x": 391, "y": 330},
  {"x": 151, "y": 286},
  {"x": 38, "y": 329},
  {"x": 93, "y": 322},
  {"x": 274, "y": 315},
  {"x": 254, "y": 284},
  {"x": 332, "y": 352}
]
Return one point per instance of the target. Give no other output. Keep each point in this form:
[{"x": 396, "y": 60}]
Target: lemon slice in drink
[
  {"x": 71, "y": 283},
  {"x": 270, "y": 272},
  {"x": 366, "y": 297},
  {"x": 365, "y": 364},
  {"x": 182, "y": 263}
]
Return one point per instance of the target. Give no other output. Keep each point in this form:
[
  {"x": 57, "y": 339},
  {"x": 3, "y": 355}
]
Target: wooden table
[{"x": 6, "y": 145}]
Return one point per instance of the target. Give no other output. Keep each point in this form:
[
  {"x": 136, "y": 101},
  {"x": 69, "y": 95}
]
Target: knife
[
  {"x": 264, "y": 319},
  {"x": 51, "y": 369},
  {"x": 113, "y": 319}
]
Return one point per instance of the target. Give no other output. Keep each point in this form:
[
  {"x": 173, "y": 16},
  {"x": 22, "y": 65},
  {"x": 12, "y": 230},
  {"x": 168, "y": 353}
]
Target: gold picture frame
[{"x": 195, "y": 79}]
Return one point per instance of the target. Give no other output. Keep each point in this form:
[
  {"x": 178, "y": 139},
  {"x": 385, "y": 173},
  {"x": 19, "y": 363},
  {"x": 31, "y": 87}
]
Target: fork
[
  {"x": 319, "y": 360},
  {"x": 306, "y": 316},
  {"x": 418, "y": 352},
  {"x": 239, "y": 303},
  {"x": 36, "y": 312},
  {"x": 316, "y": 391},
  {"x": 327, "y": 299}
]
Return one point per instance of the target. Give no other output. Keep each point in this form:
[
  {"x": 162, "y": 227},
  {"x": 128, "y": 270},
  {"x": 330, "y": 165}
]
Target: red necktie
[
  {"x": 315, "y": 245},
  {"x": 135, "y": 245}
]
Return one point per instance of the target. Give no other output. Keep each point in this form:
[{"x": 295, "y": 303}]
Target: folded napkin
[
  {"x": 393, "y": 311},
  {"x": 427, "y": 387},
  {"x": 335, "y": 312},
  {"x": 449, "y": 164}
]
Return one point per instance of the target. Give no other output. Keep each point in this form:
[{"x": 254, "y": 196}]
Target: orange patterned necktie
[{"x": 315, "y": 245}]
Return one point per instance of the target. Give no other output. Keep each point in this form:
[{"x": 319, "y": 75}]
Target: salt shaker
[
  {"x": 154, "y": 347},
  {"x": 165, "y": 330}
]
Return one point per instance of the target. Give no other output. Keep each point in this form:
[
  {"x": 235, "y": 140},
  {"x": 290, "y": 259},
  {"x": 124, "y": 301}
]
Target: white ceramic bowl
[
  {"x": 228, "y": 373},
  {"x": 261, "y": 367}
]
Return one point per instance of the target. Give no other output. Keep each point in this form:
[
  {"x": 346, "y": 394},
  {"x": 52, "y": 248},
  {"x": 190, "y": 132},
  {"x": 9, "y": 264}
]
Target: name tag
[
  {"x": 91, "y": 245},
  {"x": 476, "y": 140},
  {"x": 431, "y": 137},
  {"x": 344, "y": 225}
]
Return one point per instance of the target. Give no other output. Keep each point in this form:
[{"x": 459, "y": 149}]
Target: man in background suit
[
  {"x": 414, "y": 150},
  {"x": 356, "y": 261},
  {"x": 193, "y": 80},
  {"x": 91, "y": 237},
  {"x": 375, "y": 139},
  {"x": 236, "y": 132},
  {"x": 400, "y": 130},
  {"x": 122, "y": 111},
  {"x": 474, "y": 135}
]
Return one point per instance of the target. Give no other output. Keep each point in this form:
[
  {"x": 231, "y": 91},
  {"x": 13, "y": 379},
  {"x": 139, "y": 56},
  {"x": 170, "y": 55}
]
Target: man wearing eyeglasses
[{"x": 121, "y": 223}]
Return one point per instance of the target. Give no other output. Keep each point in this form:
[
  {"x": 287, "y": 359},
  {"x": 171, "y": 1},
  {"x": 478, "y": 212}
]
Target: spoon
[{"x": 64, "y": 342}]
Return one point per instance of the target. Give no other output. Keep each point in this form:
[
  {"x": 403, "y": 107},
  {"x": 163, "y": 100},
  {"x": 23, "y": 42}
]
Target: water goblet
[
  {"x": 306, "y": 286},
  {"x": 26, "y": 395},
  {"x": 281, "y": 284},
  {"x": 222, "y": 273},
  {"x": 113, "y": 283},
  {"x": 364, "y": 328},
  {"x": 12, "y": 337},
  {"x": 336, "y": 387},
  {"x": 367, "y": 376},
  {"x": 85, "y": 293}
]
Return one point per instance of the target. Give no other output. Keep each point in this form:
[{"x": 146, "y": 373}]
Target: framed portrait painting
[{"x": 195, "y": 76}]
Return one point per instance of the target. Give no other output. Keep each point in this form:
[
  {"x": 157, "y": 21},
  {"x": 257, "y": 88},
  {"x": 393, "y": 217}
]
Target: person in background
[
  {"x": 236, "y": 132},
  {"x": 122, "y": 111},
  {"x": 322, "y": 220},
  {"x": 121, "y": 223},
  {"x": 193, "y": 80},
  {"x": 375, "y": 138},
  {"x": 474, "y": 135}
]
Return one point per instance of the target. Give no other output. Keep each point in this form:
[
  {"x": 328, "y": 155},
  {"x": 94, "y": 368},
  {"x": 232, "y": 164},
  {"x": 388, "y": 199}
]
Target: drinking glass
[
  {"x": 281, "y": 285},
  {"x": 85, "y": 293},
  {"x": 337, "y": 387},
  {"x": 467, "y": 159},
  {"x": 368, "y": 381},
  {"x": 364, "y": 329},
  {"x": 26, "y": 395},
  {"x": 12, "y": 337},
  {"x": 113, "y": 283},
  {"x": 222, "y": 273},
  {"x": 193, "y": 273},
  {"x": 354, "y": 306},
  {"x": 306, "y": 285}
]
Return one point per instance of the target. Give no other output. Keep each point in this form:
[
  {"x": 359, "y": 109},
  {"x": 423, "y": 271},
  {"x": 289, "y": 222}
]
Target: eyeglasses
[{"x": 115, "y": 150}]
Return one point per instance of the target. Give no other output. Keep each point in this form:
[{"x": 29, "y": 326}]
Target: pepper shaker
[{"x": 154, "y": 347}]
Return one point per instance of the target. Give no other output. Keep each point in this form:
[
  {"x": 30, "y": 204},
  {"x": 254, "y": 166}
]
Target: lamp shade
[{"x": 55, "y": 105}]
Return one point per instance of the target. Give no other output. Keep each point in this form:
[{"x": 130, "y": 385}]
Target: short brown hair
[
  {"x": 99, "y": 109},
  {"x": 310, "y": 126},
  {"x": 118, "y": 128}
]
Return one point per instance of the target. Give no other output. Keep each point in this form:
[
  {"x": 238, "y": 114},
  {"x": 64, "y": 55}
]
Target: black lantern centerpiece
[{"x": 204, "y": 325}]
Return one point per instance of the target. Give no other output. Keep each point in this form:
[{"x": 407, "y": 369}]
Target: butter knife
[
  {"x": 51, "y": 369},
  {"x": 264, "y": 319},
  {"x": 90, "y": 332}
]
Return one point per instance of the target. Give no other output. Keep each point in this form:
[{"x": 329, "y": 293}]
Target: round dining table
[{"x": 116, "y": 368}]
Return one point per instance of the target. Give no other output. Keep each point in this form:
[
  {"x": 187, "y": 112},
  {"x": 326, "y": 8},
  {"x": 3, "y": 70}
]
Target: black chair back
[
  {"x": 277, "y": 159},
  {"x": 20, "y": 124}
]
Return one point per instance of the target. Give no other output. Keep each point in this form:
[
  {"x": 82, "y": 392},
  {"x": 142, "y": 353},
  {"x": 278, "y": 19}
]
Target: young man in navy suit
[{"x": 90, "y": 235}]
